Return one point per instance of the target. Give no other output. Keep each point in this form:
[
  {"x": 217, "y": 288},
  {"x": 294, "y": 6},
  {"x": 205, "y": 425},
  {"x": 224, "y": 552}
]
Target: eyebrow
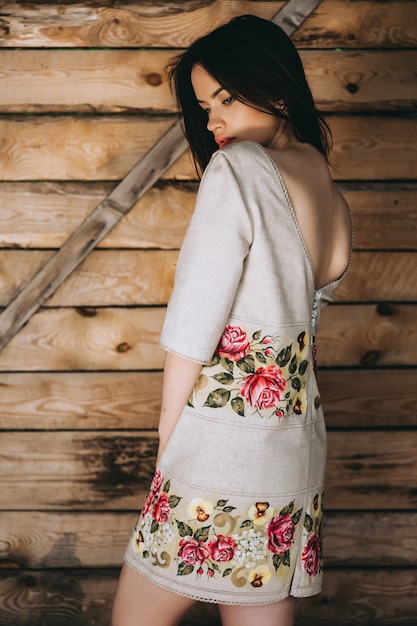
[{"x": 214, "y": 94}]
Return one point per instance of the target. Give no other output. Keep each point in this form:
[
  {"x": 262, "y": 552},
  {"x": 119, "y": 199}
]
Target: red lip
[{"x": 222, "y": 142}]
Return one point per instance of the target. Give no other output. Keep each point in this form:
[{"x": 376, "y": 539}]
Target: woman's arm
[{"x": 180, "y": 376}]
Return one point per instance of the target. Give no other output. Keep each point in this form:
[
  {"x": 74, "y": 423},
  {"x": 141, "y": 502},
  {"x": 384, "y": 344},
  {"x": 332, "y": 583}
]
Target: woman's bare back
[{"x": 321, "y": 211}]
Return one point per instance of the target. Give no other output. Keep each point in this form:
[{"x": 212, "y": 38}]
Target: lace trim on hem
[
  {"x": 198, "y": 598},
  {"x": 184, "y": 356}
]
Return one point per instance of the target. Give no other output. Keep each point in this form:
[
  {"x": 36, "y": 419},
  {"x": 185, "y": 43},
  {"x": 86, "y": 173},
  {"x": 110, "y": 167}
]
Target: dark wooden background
[{"x": 82, "y": 96}]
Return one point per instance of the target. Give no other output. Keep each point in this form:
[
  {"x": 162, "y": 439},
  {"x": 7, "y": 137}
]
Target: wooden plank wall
[{"x": 82, "y": 96}]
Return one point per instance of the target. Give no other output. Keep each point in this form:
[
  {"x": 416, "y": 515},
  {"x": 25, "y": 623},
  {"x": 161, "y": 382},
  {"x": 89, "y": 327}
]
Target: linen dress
[{"x": 234, "y": 512}]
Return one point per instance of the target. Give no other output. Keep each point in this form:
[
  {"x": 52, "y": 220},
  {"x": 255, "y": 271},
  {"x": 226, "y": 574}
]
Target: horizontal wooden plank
[
  {"x": 335, "y": 23},
  {"x": 63, "y": 539},
  {"x": 112, "y": 470},
  {"x": 110, "y": 81},
  {"x": 67, "y": 597},
  {"x": 89, "y": 338},
  {"x": 106, "y": 148},
  {"x": 43, "y": 215},
  {"x": 131, "y": 400},
  {"x": 134, "y": 277}
]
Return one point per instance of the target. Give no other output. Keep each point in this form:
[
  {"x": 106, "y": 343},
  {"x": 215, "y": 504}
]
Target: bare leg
[
  {"x": 277, "y": 614},
  {"x": 138, "y": 602}
]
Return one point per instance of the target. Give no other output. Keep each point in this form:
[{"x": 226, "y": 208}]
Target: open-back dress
[{"x": 234, "y": 511}]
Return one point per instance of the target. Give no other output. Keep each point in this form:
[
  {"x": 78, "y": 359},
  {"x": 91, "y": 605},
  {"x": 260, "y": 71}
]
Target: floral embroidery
[
  {"x": 255, "y": 373},
  {"x": 312, "y": 552},
  {"x": 216, "y": 539}
]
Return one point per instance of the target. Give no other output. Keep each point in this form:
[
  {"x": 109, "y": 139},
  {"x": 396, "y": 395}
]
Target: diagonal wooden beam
[{"x": 119, "y": 202}]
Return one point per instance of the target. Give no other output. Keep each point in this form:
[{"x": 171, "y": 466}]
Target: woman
[{"x": 234, "y": 513}]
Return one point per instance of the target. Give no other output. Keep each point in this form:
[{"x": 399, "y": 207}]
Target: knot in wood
[
  {"x": 4, "y": 28},
  {"x": 352, "y": 87},
  {"x": 86, "y": 311},
  {"x": 371, "y": 357},
  {"x": 153, "y": 79},
  {"x": 385, "y": 309},
  {"x": 123, "y": 347}
]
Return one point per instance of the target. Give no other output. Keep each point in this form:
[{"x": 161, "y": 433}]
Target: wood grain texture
[
  {"x": 145, "y": 277},
  {"x": 53, "y": 539},
  {"x": 131, "y": 400},
  {"x": 366, "y": 470},
  {"x": 88, "y": 338},
  {"x": 336, "y": 23},
  {"x": 120, "y": 81},
  {"x": 42, "y": 215},
  {"x": 106, "y": 148},
  {"x": 80, "y": 598}
]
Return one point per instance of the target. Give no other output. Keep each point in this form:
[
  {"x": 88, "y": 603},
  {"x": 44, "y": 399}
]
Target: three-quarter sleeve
[{"x": 210, "y": 264}]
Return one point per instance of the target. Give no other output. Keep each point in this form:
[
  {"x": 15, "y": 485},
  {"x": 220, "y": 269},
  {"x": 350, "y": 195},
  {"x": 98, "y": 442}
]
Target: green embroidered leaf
[
  {"x": 247, "y": 364},
  {"x": 214, "y": 361},
  {"x": 293, "y": 365},
  {"x": 221, "y": 503},
  {"x": 224, "y": 378},
  {"x": 296, "y": 517},
  {"x": 284, "y": 356},
  {"x": 227, "y": 572},
  {"x": 184, "y": 530},
  {"x": 261, "y": 357},
  {"x": 227, "y": 364},
  {"x": 246, "y": 523},
  {"x": 276, "y": 561},
  {"x": 256, "y": 335},
  {"x": 238, "y": 406},
  {"x": 145, "y": 554},
  {"x": 201, "y": 534},
  {"x": 154, "y": 526},
  {"x": 166, "y": 486},
  {"x": 217, "y": 398},
  {"x": 214, "y": 566},
  {"x": 287, "y": 395},
  {"x": 229, "y": 509},
  {"x": 308, "y": 523},
  {"x": 287, "y": 510},
  {"x": 296, "y": 384},
  {"x": 303, "y": 367},
  {"x": 184, "y": 569},
  {"x": 286, "y": 558},
  {"x": 173, "y": 501}
]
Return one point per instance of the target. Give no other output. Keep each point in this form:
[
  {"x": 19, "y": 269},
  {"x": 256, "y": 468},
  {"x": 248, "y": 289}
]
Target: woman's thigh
[
  {"x": 277, "y": 614},
  {"x": 138, "y": 602}
]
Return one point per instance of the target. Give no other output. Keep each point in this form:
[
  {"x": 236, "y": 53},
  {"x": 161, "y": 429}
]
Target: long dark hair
[{"x": 258, "y": 64}]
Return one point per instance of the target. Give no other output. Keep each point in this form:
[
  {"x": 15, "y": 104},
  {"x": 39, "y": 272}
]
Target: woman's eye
[{"x": 228, "y": 100}]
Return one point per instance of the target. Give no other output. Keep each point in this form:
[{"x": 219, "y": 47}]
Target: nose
[{"x": 215, "y": 122}]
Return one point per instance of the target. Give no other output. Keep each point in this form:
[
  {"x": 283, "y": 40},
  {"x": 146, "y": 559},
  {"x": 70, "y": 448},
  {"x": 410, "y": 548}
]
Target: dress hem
[{"x": 296, "y": 592}]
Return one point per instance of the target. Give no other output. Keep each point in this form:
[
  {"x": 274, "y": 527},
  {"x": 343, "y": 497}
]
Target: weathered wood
[
  {"x": 93, "y": 229},
  {"x": 131, "y": 400},
  {"x": 85, "y": 470},
  {"x": 127, "y": 339},
  {"x": 106, "y": 148},
  {"x": 42, "y": 215},
  {"x": 335, "y": 23},
  {"x": 53, "y": 539},
  {"x": 145, "y": 277},
  {"x": 80, "y": 597},
  {"x": 110, "y": 81}
]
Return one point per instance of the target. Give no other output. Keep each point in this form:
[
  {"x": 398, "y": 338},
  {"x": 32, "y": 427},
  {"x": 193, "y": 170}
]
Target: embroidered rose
[
  {"x": 148, "y": 503},
  {"x": 263, "y": 389},
  {"x": 280, "y": 532},
  {"x": 222, "y": 548},
  {"x": 157, "y": 481},
  {"x": 311, "y": 555},
  {"x": 233, "y": 344},
  {"x": 161, "y": 509},
  {"x": 193, "y": 552}
]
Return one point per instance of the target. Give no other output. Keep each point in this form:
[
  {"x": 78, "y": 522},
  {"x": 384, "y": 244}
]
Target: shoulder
[{"x": 238, "y": 157}]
